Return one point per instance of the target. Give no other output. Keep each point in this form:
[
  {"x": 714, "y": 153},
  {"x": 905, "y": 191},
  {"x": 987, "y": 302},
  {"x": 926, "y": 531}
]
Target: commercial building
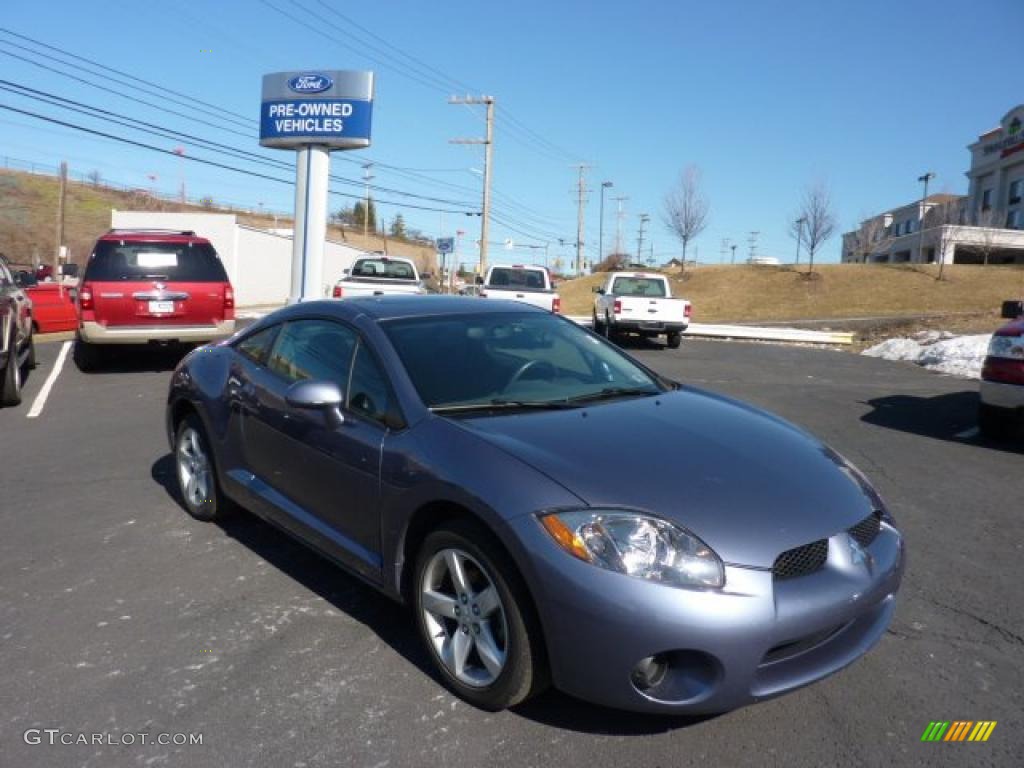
[{"x": 984, "y": 227}]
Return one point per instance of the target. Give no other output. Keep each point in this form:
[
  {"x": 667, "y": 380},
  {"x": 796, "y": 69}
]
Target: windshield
[
  {"x": 400, "y": 270},
  {"x": 512, "y": 277},
  {"x": 639, "y": 286},
  {"x": 177, "y": 262},
  {"x": 511, "y": 357}
]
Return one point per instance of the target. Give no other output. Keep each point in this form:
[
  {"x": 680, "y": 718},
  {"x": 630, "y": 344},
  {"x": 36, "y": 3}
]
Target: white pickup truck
[
  {"x": 642, "y": 303},
  {"x": 528, "y": 284},
  {"x": 379, "y": 275}
]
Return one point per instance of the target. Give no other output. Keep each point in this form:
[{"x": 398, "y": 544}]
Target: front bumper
[
  {"x": 754, "y": 639},
  {"x": 1002, "y": 395},
  {"x": 95, "y": 333}
]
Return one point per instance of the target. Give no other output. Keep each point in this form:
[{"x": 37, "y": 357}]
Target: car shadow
[
  {"x": 630, "y": 341},
  {"x": 393, "y": 624},
  {"x": 952, "y": 417},
  {"x": 131, "y": 358}
]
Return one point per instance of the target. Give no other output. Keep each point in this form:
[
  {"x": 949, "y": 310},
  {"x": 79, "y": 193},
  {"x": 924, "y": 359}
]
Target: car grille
[
  {"x": 867, "y": 529},
  {"x": 801, "y": 561}
]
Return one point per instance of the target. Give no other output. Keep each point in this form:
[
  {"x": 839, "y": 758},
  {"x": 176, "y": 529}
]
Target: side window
[
  {"x": 313, "y": 349},
  {"x": 255, "y": 347},
  {"x": 369, "y": 394}
]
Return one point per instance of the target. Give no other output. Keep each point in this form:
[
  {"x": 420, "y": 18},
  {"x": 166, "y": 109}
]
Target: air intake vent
[
  {"x": 867, "y": 529},
  {"x": 801, "y": 561}
]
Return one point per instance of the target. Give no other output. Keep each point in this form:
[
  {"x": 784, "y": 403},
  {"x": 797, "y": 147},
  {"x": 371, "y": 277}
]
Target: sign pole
[{"x": 312, "y": 169}]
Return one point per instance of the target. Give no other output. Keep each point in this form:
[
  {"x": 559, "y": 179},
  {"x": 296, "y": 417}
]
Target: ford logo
[{"x": 310, "y": 83}]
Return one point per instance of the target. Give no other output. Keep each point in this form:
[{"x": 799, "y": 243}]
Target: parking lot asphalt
[{"x": 121, "y": 614}]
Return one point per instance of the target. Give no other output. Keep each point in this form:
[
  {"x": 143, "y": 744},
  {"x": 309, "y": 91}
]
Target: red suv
[
  {"x": 1002, "y": 377},
  {"x": 152, "y": 287}
]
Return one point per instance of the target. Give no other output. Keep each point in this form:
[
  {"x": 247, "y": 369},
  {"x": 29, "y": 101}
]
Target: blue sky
[{"x": 763, "y": 97}]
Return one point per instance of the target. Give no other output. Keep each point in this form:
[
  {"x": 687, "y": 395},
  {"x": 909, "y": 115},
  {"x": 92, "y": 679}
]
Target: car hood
[{"x": 746, "y": 482}]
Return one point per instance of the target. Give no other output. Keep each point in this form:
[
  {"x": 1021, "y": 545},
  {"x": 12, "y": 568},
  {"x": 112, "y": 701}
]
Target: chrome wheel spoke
[
  {"x": 440, "y": 605},
  {"x": 487, "y": 650},
  {"x": 455, "y": 569},
  {"x": 486, "y": 602}
]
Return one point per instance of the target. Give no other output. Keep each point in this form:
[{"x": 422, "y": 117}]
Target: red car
[
  {"x": 150, "y": 286},
  {"x": 1002, "y": 377},
  {"x": 53, "y": 308}
]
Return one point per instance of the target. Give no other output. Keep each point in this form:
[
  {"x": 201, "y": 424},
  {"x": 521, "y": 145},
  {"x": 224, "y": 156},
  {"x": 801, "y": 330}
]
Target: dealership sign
[{"x": 326, "y": 108}]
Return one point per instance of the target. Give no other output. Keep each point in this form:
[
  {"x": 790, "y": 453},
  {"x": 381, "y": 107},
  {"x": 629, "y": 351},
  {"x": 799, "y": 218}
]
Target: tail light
[
  {"x": 618, "y": 307},
  {"x": 556, "y": 305},
  {"x": 229, "y": 297},
  {"x": 336, "y": 293},
  {"x": 85, "y": 296},
  {"x": 689, "y": 310}
]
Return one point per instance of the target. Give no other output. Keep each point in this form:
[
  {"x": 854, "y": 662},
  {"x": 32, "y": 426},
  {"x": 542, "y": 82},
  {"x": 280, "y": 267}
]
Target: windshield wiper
[
  {"x": 611, "y": 392},
  {"x": 501, "y": 404}
]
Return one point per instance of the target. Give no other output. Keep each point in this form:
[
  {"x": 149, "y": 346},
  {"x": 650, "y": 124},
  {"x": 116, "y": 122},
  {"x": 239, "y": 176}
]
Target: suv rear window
[
  {"x": 383, "y": 268},
  {"x": 510, "y": 277},
  {"x": 171, "y": 262}
]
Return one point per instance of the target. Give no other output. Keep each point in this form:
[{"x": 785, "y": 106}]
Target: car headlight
[{"x": 637, "y": 545}]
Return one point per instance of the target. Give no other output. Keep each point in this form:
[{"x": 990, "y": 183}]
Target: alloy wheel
[
  {"x": 464, "y": 617},
  {"x": 194, "y": 469}
]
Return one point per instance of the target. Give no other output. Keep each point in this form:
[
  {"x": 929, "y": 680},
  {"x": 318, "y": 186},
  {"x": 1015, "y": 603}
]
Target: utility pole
[
  {"x": 799, "y": 236},
  {"x": 920, "y": 224},
  {"x": 752, "y": 240},
  {"x": 644, "y": 218},
  {"x": 600, "y": 237},
  {"x": 367, "y": 178},
  {"x": 488, "y": 142},
  {"x": 733, "y": 246},
  {"x": 581, "y": 191},
  {"x": 61, "y": 197},
  {"x": 620, "y": 216}
]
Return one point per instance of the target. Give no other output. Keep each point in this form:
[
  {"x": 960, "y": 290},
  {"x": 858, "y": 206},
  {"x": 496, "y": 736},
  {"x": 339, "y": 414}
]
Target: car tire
[
  {"x": 511, "y": 631},
  {"x": 606, "y": 328},
  {"x": 598, "y": 328},
  {"x": 674, "y": 340},
  {"x": 196, "y": 472},
  {"x": 88, "y": 357},
  {"x": 10, "y": 380},
  {"x": 30, "y": 360},
  {"x": 996, "y": 423}
]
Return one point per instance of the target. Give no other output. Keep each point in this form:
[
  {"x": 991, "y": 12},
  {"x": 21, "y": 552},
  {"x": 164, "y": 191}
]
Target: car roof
[
  {"x": 394, "y": 307},
  {"x": 152, "y": 236}
]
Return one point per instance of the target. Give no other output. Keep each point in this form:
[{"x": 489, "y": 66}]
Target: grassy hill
[
  {"x": 28, "y": 219},
  {"x": 743, "y": 293}
]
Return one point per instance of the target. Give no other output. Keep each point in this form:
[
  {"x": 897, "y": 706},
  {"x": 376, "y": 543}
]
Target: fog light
[{"x": 650, "y": 672}]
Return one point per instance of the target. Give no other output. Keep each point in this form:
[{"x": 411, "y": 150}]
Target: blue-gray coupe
[{"x": 552, "y": 511}]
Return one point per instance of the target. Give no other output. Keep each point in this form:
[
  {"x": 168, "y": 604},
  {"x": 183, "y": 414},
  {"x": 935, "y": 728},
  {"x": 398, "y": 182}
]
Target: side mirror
[
  {"x": 317, "y": 395},
  {"x": 1013, "y": 309},
  {"x": 598, "y": 289},
  {"x": 479, "y": 279}
]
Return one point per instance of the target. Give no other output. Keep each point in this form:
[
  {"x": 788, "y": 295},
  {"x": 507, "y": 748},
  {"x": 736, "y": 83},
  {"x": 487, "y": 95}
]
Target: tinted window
[
  {"x": 256, "y": 346},
  {"x": 369, "y": 393},
  {"x": 383, "y": 268},
  {"x": 639, "y": 286},
  {"x": 313, "y": 349},
  {"x": 510, "y": 277},
  {"x": 177, "y": 262},
  {"x": 470, "y": 359}
]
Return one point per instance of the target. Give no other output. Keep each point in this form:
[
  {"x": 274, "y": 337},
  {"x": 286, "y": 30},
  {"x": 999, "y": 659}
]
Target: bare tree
[
  {"x": 871, "y": 237},
  {"x": 818, "y": 218},
  {"x": 988, "y": 221},
  {"x": 685, "y": 210},
  {"x": 945, "y": 220}
]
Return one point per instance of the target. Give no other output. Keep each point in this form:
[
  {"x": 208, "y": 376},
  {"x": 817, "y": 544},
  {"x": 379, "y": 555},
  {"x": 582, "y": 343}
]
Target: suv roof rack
[{"x": 158, "y": 230}]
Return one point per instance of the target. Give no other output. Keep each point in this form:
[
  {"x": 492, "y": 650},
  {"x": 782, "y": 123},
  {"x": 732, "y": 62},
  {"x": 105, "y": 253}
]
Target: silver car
[{"x": 552, "y": 510}]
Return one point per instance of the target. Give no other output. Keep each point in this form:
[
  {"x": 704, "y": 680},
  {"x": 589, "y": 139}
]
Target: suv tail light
[
  {"x": 336, "y": 293},
  {"x": 85, "y": 296},
  {"x": 556, "y": 305},
  {"x": 618, "y": 307},
  {"x": 689, "y": 310},
  {"x": 229, "y": 297}
]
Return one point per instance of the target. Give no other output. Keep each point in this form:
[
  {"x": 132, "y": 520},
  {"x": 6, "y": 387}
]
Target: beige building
[{"x": 984, "y": 227}]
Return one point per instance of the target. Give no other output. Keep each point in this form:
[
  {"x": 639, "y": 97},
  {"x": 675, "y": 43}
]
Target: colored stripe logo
[{"x": 958, "y": 730}]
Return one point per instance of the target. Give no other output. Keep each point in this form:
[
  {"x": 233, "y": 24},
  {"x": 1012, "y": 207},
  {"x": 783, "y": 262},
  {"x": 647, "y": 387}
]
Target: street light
[
  {"x": 600, "y": 237},
  {"x": 920, "y": 224}
]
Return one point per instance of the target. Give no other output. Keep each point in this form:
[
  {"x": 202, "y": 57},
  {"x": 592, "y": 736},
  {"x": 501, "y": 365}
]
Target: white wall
[{"x": 258, "y": 261}]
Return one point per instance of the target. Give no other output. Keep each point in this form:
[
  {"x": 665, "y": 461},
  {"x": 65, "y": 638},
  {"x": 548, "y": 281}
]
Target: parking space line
[{"x": 40, "y": 401}]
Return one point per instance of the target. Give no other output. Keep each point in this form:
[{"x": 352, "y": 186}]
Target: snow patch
[{"x": 938, "y": 351}]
